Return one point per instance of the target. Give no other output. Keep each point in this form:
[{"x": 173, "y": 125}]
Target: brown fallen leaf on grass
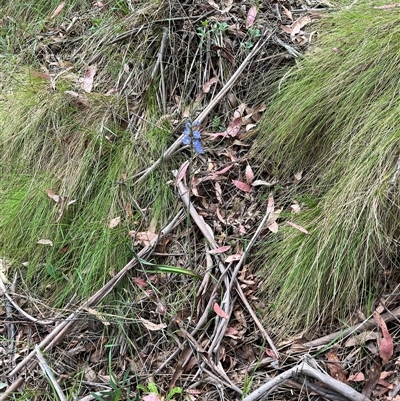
[
  {"x": 87, "y": 85},
  {"x": 152, "y": 326},
  {"x": 58, "y": 10},
  {"x": 386, "y": 343},
  {"x": 297, "y": 227},
  {"x": 222, "y": 249},
  {"x": 358, "y": 377},
  {"x": 295, "y": 28},
  {"x": 114, "y": 222},
  {"x": 142, "y": 238},
  {"x": 45, "y": 242},
  {"x": 249, "y": 174},
  {"x": 208, "y": 84}
]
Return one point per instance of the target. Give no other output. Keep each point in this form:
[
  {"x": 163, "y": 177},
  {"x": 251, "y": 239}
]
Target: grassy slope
[
  {"x": 48, "y": 140},
  {"x": 336, "y": 119}
]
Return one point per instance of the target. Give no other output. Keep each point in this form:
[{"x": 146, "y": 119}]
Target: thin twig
[{"x": 20, "y": 310}]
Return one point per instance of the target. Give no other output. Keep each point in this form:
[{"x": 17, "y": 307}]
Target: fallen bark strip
[
  {"x": 175, "y": 146},
  {"x": 64, "y": 327},
  {"x": 305, "y": 369}
]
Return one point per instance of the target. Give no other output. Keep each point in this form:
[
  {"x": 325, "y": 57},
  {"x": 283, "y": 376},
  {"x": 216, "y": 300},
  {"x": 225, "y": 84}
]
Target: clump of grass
[
  {"x": 335, "y": 118},
  {"x": 87, "y": 152}
]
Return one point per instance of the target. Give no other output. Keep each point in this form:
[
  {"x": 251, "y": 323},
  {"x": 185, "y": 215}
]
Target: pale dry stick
[
  {"x": 209, "y": 108},
  {"x": 307, "y": 370},
  {"x": 233, "y": 280},
  {"x": 184, "y": 194},
  {"x": 206, "y": 360},
  {"x": 159, "y": 67},
  {"x": 59, "y": 331},
  {"x": 47, "y": 371},
  {"x": 10, "y": 325},
  {"x": 210, "y": 239},
  {"x": 340, "y": 335},
  {"x": 303, "y": 383}
]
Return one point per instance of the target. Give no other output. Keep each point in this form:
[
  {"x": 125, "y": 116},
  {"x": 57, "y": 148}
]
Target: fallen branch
[
  {"x": 305, "y": 369},
  {"x": 339, "y": 335},
  {"x": 184, "y": 193}
]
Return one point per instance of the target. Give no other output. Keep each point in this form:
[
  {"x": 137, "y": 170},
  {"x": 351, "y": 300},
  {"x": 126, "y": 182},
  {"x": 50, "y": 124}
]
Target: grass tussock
[
  {"x": 336, "y": 118},
  {"x": 82, "y": 146}
]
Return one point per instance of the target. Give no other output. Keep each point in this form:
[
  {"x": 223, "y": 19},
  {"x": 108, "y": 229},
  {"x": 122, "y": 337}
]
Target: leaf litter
[{"x": 229, "y": 199}]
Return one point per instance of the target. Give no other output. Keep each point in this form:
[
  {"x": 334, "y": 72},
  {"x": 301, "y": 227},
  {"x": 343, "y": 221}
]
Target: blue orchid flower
[{"x": 192, "y": 136}]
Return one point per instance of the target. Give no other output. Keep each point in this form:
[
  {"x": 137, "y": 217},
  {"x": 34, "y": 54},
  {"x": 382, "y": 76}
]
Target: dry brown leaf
[
  {"x": 79, "y": 97},
  {"x": 273, "y": 227},
  {"x": 208, "y": 84},
  {"x": 41, "y": 75},
  {"x": 249, "y": 174},
  {"x": 140, "y": 282},
  {"x": 220, "y": 312},
  {"x": 231, "y": 332},
  {"x": 295, "y": 207},
  {"x": 114, "y": 222},
  {"x": 257, "y": 183},
  {"x": 251, "y": 16},
  {"x": 181, "y": 172},
  {"x": 361, "y": 338},
  {"x": 298, "y": 24},
  {"x": 45, "y": 242},
  {"x": 4, "y": 267},
  {"x": 386, "y": 343},
  {"x": 335, "y": 367},
  {"x": 233, "y": 258},
  {"x": 299, "y": 175},
  {"x": 287, "y": 12},
  {"x": 358, "y": 377},
  {"x": 58, "y": 10},
  {"x": 224, "y": 170},
  {"x": 242, "y": 186},
  {"x": 142, "y": 238},
  {"x": 297, "y": 227},
  {"x": 218, "y": 192},
  {"x": 52, "y": 195},
  {"x": 87, "y": 85},
  {"x": 222, "y": 249},
  {"x": 152, "y": 326}
]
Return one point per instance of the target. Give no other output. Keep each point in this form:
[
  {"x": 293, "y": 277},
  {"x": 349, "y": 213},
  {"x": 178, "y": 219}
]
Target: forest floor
[{"x": 191, "y": 325}]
